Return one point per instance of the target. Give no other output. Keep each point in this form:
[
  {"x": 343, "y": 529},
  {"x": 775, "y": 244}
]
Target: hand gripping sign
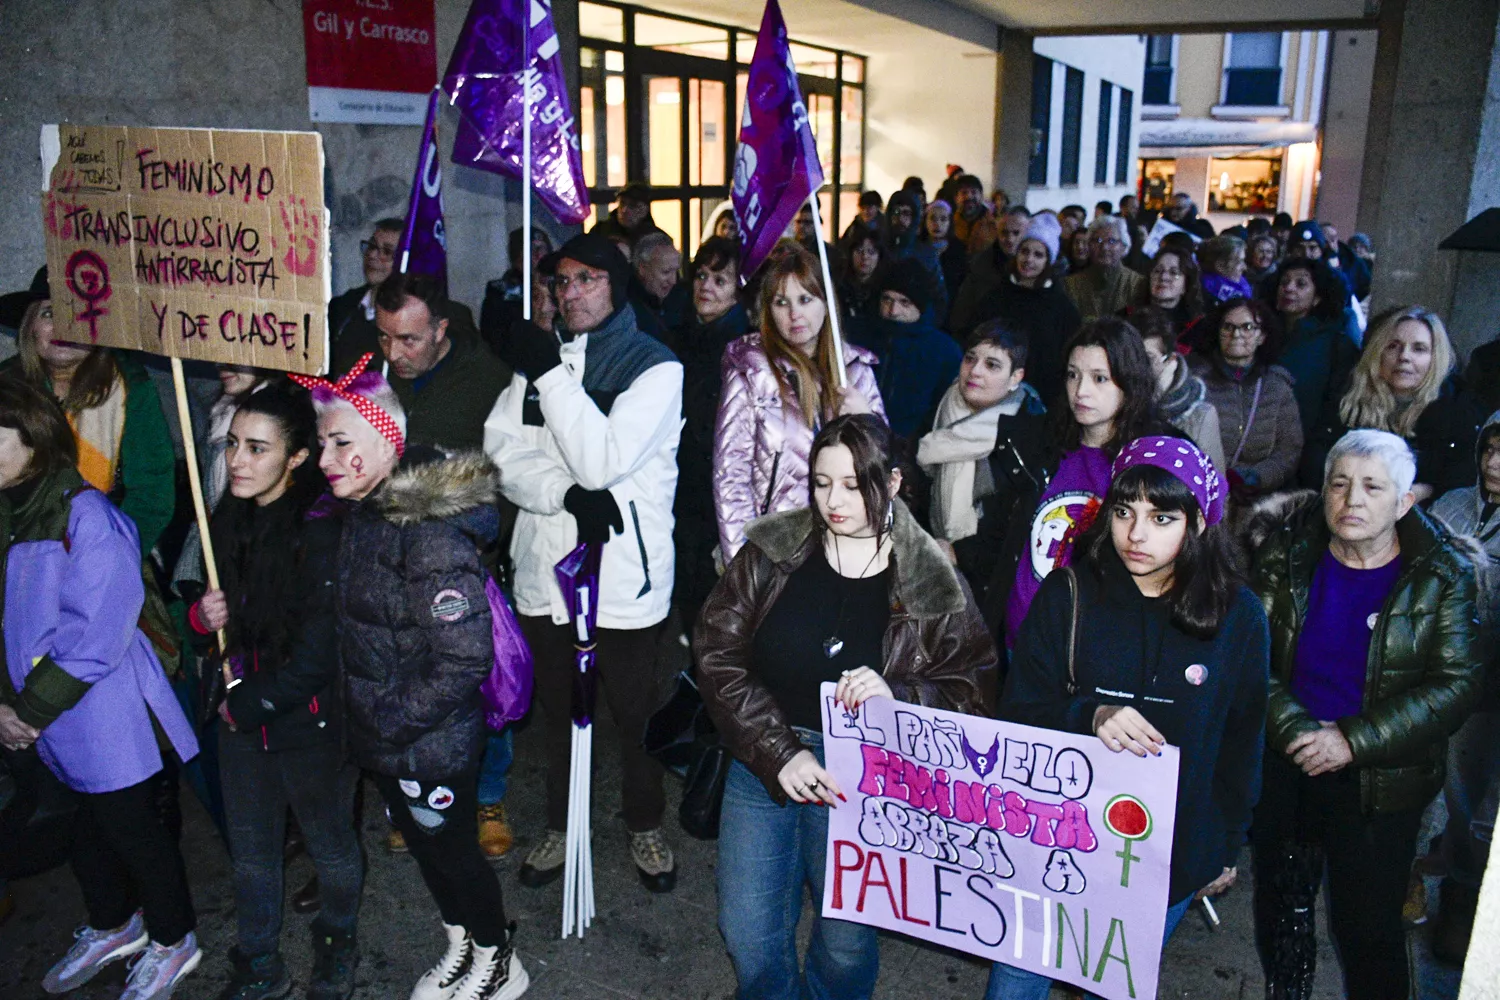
[{"x": 998, "y": 839}]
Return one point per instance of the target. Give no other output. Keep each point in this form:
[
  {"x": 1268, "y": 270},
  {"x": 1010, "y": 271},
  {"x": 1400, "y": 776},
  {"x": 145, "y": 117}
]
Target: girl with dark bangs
[
  {"x": 1155, "y": 639},
  {"x": 1050, "y": 474},
  {"x": 280, "y": 741}
]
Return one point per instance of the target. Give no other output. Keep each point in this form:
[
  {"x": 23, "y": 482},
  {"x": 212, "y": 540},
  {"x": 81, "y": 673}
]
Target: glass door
[{"x": 685, "y": 141}]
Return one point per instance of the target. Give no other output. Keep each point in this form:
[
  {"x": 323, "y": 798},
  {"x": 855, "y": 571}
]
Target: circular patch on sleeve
[
  {"x": 440, "y": 798},
  {"x": 449, "y": 605}
]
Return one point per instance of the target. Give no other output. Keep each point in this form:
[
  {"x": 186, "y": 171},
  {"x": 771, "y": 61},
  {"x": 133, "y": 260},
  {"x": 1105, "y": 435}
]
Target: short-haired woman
[
  {"x": 1402, "y": 384},
  {"x": 82, "y": 685},
  {"x": 780, "y": 386},
  {"x": 415, "y": 646},
  {"x": 813, "y": 597},
  {"x": 1260, "y": 430},
  {"x": 1172, "y": 648},
  {"x": 1173, "y": 286},
  {"x": 1375, "y": 661},
  {"x": 1318, "y": 346},
  {"x": 1223, "y": 261}
]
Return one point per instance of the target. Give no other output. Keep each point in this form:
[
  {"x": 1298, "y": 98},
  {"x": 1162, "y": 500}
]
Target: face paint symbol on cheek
[{"x": 358, "y": 464}]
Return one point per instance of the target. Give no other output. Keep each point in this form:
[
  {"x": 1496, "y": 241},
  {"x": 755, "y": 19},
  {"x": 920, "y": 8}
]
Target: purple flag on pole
[
  {"x": 483, "y": 80},
  {"x": 776, "y": 168},
  {"x": 424, "y": 245}
]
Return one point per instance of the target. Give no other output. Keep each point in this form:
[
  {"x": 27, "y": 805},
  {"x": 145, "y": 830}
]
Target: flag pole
[
  {"x": 526, "y": 162},
  {"x": 833, "y": 305},
  {"x": 195, "y": 484}
]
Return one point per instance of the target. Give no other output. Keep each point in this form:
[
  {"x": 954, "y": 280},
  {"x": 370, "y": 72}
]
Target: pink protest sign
[{"x": 1036, "y": 848}]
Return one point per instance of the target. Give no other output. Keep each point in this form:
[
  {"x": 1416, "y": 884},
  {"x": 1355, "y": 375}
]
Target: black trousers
[
  {"x": 258, "y": 786},
  {"x": 1304, "y": 826},
  {"x": 439, "y": 820},
  {"x": 630, "y": 683},
  {"x": 125, "y": 858}
]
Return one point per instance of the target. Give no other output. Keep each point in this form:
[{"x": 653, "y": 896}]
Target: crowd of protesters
[{"x": 1007, "y": 420}]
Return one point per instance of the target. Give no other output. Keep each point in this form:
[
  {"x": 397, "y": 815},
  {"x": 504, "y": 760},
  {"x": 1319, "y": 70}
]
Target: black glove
[
  {"x": 595, "y": 511},
  {"x": 533, "y": 349}
]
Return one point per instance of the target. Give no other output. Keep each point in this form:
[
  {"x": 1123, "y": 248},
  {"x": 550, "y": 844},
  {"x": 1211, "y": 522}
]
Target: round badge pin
[
  {"x": 1370, "y": 621},
  {"x": 441, "y": 798},
  {"x": 1196, "y": 674},
  {"x": 410, "y": 789}
]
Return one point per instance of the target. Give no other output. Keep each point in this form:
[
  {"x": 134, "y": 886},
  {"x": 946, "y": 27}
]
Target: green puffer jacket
[{"x": 1424, "y": 673}]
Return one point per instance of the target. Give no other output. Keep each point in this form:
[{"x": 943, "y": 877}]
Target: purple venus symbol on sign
[{"x": 88, "y": 278}]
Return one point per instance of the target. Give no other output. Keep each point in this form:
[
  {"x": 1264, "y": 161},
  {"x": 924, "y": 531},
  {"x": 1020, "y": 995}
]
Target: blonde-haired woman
[
  {"x": 1402, "y": 385},
  {"x": 124, "y": 446},
  {"x": 780, "y": 386}
]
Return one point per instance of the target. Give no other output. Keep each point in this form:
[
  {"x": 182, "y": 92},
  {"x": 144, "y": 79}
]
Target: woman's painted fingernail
[{"x": 841, "y": 797}]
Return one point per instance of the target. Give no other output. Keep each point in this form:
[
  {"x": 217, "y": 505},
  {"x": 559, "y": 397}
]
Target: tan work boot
[
  {"x": 495, "y": 836},
  {"x": 395, "y": 842}
]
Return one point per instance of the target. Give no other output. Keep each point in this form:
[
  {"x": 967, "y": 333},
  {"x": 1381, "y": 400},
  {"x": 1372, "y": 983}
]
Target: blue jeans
[
  {"x": 494, "y": 769},
  {"x": 1009, "y": 983},
  {"x": 767, "y": 852}
]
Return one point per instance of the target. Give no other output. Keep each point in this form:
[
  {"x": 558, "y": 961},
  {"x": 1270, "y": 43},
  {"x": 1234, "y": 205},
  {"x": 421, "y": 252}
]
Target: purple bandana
[{"x": 1182, "y": 459}]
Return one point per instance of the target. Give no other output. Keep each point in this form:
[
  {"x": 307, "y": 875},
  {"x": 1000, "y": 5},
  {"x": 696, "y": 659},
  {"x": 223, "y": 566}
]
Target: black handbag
[{"x": 703, "y": 792}]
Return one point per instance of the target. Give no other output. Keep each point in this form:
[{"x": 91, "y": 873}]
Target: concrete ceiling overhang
[{"x": 881, "y": 27}]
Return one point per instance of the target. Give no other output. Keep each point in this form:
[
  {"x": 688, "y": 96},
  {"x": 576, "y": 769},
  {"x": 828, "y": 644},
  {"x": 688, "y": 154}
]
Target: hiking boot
[
  {"x": 653, "y": 860},
  {"x": 155, "y": 972},
  {"x": 309, "y": 898},
  {"x": 1455, "y": 921},
  {"x": 495, "y": 836},
  {"x": 439, "y": 982},
  {"x": 92, "y": 951},
  {"x": 334, "y": 962},
  {"x": 545, "y": 861},
  {"x": 494, "y": 973},
  {"x": 263, "y": 977},
  {"x": 395, "y": 842}
]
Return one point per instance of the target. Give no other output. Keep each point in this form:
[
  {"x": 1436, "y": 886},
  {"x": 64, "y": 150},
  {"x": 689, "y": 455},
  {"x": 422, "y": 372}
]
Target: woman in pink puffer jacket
[{"x": 772, "y": 381}]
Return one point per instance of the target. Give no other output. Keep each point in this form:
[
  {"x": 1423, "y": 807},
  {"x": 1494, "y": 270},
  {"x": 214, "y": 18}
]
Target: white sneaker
[
  {"x": 92, "y": 951},
  {"x": 440, "y": 981},
  {"x": 495, "y": 973}
]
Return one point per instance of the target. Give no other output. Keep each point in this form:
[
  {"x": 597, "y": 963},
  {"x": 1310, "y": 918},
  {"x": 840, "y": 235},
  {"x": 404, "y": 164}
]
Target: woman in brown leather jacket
[{"x": 851, "y": 591}]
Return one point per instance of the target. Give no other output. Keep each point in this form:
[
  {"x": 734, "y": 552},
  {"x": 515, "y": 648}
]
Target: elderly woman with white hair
[
  {"x": 1375, "y": 662},
  {"x": 1105, "y": 286},
  {"x": 415, "y": 636}
]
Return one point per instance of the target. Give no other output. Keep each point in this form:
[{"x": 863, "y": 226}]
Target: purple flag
[
  {"x": 483, "y": 80},
  {"x": 578, "y": 578},
  {"x": 776, "y": 167},
  {"x": 424, "y": 245}
]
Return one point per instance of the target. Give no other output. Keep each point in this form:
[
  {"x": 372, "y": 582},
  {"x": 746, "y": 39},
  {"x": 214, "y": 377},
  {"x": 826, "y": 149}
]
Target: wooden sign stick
[{"x": 190, "y": 451}]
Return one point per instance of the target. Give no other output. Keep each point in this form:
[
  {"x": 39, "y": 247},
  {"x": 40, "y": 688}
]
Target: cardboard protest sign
[
  {"x": 1159, "y": 231},
  {"x": 1035, "y": 848},
  {"x": 194, "y": 243}
]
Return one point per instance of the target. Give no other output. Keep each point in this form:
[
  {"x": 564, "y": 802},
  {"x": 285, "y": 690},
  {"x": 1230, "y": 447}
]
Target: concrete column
[
  {"x": 1012, "y": 160},
  {"x": 1346, "y": 116},
  {"x": 1432, "y": 159}
]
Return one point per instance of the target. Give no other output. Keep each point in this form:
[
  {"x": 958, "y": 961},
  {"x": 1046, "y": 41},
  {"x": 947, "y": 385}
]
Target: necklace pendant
[{"x": 832, "y": 646}]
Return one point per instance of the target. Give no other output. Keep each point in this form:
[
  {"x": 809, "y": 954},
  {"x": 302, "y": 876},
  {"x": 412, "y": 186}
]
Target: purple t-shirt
[
  {"x": 1067, "y": 507},
  {"x": 1334, "y": 647}
]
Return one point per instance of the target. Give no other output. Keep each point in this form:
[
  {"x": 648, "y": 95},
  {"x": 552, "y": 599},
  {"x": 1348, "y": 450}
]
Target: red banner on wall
[{"x": 369, "y": 61}]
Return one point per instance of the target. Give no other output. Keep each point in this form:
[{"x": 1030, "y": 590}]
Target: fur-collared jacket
[
  {"x": 414, "y": 621},
  {"x": 936, "y": 645}
]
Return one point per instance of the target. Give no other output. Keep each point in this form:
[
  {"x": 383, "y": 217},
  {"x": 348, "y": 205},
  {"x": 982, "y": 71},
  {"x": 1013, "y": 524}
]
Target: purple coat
[
  {"x": 761, "y": 445},
  {"x": 79, "y": 603}
]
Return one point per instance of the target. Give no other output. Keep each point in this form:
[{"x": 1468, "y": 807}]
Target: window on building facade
[
  {"x": 1101, "y": 146},
  {"x": 1252, "y": 77},
  {"x": 1157, "y": 88},
  {"x": 1072, "y": 126},
  {"x": 1041, "y": 119},
  {"x": 1244, "y": 184},
  {"x": 672, "y": 119},
  {"x": 1122, "y": 137}
]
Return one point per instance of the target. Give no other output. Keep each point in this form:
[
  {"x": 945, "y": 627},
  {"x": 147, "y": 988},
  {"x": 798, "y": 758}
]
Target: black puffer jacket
[{"x": 414, "y": 623}]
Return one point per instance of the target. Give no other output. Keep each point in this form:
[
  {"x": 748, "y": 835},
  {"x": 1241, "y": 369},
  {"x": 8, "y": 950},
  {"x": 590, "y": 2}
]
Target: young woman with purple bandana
[{"x": 1176, "y": 650}]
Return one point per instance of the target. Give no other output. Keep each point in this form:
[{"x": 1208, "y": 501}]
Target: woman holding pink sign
[
  {"x": 1176, "y": 651},
  {"x": 850, "y": 591}
]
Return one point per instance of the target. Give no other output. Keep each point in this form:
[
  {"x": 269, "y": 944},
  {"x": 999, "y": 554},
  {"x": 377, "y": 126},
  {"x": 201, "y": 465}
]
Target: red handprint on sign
[{"x": 302, "y": 230}]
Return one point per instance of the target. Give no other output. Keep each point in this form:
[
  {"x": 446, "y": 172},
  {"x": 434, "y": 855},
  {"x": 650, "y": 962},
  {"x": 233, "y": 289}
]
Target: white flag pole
[
  {"x": 833, "y": 306},
  {"x": 526, "y": 161}
]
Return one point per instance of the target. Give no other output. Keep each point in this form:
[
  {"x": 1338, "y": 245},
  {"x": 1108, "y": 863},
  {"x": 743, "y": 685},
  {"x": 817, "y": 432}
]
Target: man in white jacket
[{"x": 585, "y": 438}]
